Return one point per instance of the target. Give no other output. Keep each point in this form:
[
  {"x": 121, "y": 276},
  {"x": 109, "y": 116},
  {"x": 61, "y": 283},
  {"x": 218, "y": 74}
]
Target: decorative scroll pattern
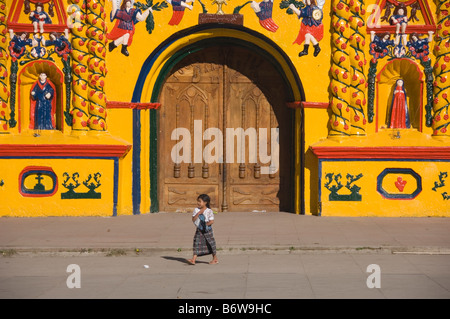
[
  {"x": 80, "y": 58},
  {"x": 96, "y": 33},
  {"x": 441, "y": 120},
  {"x": 4, "y": 92},
  {"x": 341, "y": 79}
]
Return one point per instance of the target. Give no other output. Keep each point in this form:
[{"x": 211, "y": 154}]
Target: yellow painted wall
[
  {"x": 428, "y": 202},
  {"x": 116, "y": 119},
  {"x": 315, "y": 76},
  {"x": 144, "y": 44},
  {"x": 15, "y": 204}
]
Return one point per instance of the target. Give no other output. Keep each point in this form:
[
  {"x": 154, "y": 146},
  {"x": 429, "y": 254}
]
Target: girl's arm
[
  {"x": 211, "y": 221},
  {"x": 196, "y": 215}
]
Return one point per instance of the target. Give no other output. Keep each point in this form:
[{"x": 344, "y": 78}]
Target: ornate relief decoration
[
  {"x": 37, "y": 181},
  {"x": 24, "y": 16},
  {"x": 333, "y": 184},
  {"x": 441, "y": 183},
  {"x": 401, "y": 29},
  {"x": 92, "y": 182},
  {"x": 392, "y": 182}
]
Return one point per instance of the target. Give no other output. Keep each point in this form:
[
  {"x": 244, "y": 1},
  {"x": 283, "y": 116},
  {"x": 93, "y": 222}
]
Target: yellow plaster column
[
  {"x": 4, "y": 92},
  {"x": 441, "y": 119},
  {"x": 341, "y": 74},
  {"x": 96, "y": 33},
  {"x": 358, "y": 62},
  {"x": 80, "y": 56}
]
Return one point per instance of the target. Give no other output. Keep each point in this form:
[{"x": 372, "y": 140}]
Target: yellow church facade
[{"x": 322, "y": 107}]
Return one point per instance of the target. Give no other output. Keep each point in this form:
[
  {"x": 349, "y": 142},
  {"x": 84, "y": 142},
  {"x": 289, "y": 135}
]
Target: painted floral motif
[
  {"x": 400, "y": 183},
  {"x": 92, "y": 182},
  {"x": 441, "y": 183},
  {"x": 441, "y": 120},
  {"x": 333, "y": 184}
]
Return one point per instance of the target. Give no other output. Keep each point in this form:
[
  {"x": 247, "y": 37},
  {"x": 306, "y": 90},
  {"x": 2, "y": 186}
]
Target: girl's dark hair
[{"x": 205, "y": 198}]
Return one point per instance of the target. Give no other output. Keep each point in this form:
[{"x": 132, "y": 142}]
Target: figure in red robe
[
  {"x": 43, "y": 104},
  {"x": 263, "y": 11},
  {"x": 399, "y": 114},
  {"x": 126, "y": 17},
  {"x": 178, "y": 7},
  {"x": 311, "y": 30}
]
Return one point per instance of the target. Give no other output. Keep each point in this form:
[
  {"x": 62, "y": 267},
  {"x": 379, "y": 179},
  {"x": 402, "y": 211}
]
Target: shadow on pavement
[{"x": 183, "y": 260}]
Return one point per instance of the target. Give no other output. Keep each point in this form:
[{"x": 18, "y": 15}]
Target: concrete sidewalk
[{"x": 234, "y": 232}]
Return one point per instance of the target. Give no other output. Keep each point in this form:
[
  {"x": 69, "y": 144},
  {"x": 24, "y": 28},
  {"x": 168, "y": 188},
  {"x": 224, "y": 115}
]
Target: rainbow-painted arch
[{"x": 185, "y": 42}]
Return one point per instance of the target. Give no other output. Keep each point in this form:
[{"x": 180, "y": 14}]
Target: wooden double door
[{"x": 225, "y": 130}]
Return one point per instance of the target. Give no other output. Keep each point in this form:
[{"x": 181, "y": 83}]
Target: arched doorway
[{"x": 224, "y": 129}]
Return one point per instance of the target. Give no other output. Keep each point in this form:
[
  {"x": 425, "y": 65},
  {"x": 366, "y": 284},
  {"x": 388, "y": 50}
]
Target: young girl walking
[{"x": 204, "y": 242}]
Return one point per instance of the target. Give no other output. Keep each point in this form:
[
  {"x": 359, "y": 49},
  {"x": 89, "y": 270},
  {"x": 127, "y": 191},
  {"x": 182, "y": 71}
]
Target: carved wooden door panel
[
  {"x": 255, "y": 101},
  {"x": 227, "y": 103},
  {"x": 192, "y": 103}
]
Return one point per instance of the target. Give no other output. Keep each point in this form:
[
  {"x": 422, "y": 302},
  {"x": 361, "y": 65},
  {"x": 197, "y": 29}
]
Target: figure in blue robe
[
  {"x": 39, "y": 17},
  {"x": 43, "y": 104},
  {"x": 17, "y": 45},
  {"x": 62, "y": 45}
]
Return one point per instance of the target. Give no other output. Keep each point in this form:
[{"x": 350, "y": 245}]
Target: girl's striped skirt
[{"x": 204, "y": 243}]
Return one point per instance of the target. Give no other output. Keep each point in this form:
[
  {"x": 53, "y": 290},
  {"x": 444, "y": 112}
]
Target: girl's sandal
[
  {"x": 190, "y": 261},
  {"x": 213, "y": 262}
]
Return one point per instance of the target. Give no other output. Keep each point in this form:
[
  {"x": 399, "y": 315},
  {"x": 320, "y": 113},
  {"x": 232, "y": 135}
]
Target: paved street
[
  {"x": 262, "y": 256},
  {"x": 243, "y": 275}
]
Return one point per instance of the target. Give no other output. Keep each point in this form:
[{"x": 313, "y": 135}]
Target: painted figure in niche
[
  {"x": 178, "y": 7},
  {"x": 263, "y": 11},
  {"x": 379, "y": 44},
  {"x": 126, "y": 17},
  {"x": 43, "y": 104},
  {"x": 311, "y": 30},
  {"x": 398, "y": 113},
  {"x": 39, "y": 17},
  {"x": 400, "y": 20},
  {"x": 418, "y": 47},
  {"x": 18, "y": 43},
  {"x": 61, "y": 43}
]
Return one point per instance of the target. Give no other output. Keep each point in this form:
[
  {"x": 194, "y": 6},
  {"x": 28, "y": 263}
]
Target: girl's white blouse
[{"x": 208, "y": 213}]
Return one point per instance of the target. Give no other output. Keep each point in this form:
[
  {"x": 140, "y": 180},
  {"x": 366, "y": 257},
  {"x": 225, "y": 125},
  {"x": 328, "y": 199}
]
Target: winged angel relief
[
  {"x": 127, "y": 17},
  {"x": 311, "y": 28}
]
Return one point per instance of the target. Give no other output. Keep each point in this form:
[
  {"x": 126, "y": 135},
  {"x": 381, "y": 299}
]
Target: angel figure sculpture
[
  {"x": 311, "y": 29},
  {"x": 126, "y": 17}
]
